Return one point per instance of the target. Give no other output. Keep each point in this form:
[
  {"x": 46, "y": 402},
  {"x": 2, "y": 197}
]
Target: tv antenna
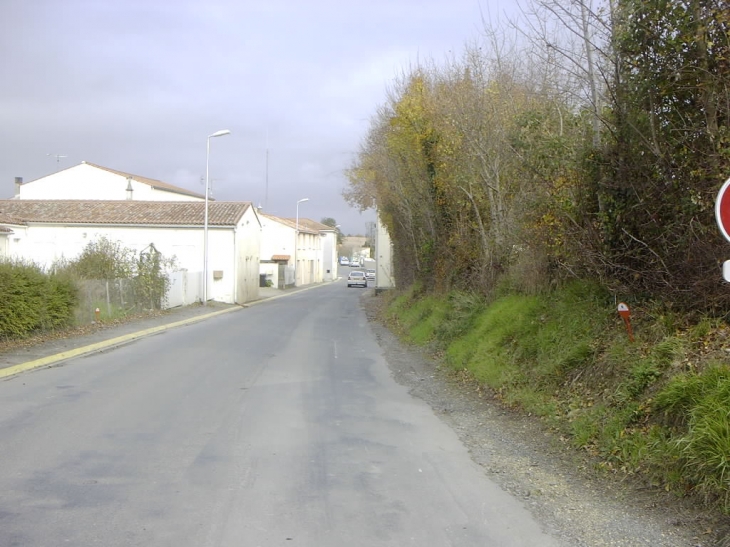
[
  {"x": 210, "y": 185},
  {"x": 58, "y": 159}
]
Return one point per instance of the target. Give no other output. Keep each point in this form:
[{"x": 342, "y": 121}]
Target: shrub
[{"x": 31, "y": 300}]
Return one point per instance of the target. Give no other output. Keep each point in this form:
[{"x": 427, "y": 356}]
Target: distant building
[
  {"x": 312, "y": 248},
  {"x": 89, "y": 181},
  {"x": 354, "y": 246}
]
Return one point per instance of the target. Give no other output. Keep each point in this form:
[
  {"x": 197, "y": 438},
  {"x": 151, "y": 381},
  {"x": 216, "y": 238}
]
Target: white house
[
  {"x": 90, "y": 181},
  {"x": 44, "y": 231},
  {"x": 327, "y": 243},
  {"x": 309, "y": 245}
]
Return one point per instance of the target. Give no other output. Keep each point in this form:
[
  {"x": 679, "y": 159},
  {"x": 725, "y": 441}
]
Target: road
[{"x": 276, "y": 425}]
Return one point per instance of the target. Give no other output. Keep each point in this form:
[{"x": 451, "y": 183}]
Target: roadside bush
[
  {"x": 32, "y": 300},
  {"x": 143, "y": 276},
  {"x": 696, "y": 406}
]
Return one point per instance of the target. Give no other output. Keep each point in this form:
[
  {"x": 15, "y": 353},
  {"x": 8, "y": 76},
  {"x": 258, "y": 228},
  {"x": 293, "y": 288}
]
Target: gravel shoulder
[{"x": 559, "y": 485}]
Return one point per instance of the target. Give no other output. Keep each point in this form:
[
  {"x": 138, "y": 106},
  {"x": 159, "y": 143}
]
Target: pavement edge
[{"x": 99, "y": 346}]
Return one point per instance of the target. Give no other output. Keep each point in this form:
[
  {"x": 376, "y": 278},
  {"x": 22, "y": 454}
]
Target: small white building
[
  {"x": 44, "y": 231},
  {"x": 310, "y": 245},
  {"x": 89, "y": 181},
  {"x": 327, "y": 245}
]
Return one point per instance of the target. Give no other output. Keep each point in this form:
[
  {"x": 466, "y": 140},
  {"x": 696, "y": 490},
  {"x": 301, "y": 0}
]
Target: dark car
[{"x": 357, "y": 278}]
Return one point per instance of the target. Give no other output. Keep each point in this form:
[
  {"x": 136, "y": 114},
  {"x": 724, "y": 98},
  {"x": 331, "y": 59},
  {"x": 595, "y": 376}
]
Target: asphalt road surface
[{"x": 279, "y": 424}]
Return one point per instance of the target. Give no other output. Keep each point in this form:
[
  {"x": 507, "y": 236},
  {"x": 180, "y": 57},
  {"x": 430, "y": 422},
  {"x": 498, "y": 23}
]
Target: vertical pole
[
  {"x": 205, "y": 227},
  {"x": 296, "y": 242}
]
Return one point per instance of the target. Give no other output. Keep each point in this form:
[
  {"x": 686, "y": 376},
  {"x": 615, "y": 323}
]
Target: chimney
[
  {"x": 18, "y": 182},
  {"x": 129, "y": 189}
]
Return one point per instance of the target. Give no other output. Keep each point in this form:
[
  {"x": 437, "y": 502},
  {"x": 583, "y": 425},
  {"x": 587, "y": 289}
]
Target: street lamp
[
  {"x": 296, "y": 240},
  {"x": 205, "y": 222}
]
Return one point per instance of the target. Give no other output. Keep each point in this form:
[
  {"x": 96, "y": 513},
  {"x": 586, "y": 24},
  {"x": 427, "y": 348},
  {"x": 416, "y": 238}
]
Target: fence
[{"x": 116, "y": 298}]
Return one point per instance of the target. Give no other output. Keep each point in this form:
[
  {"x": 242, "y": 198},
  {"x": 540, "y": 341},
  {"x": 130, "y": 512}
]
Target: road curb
[
  {"x": 54, "y": 359},
  {"x": 99, "y": 346}
]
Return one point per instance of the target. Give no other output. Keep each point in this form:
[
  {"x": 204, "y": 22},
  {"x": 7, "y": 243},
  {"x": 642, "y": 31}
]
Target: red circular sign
[{"x": 722, "y": 210}]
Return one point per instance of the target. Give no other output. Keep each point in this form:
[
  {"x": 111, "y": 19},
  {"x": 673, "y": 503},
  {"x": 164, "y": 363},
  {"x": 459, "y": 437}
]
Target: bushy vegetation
[
  {"x": 554, "y": 157},
  {"x": 657, "y": 409},
  {"x": 106, "y": 260},
  {"x": 31, "y": 300}
]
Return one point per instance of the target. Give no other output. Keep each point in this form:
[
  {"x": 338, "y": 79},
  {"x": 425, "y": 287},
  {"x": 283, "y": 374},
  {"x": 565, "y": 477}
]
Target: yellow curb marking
[{"x": 52, "y": 359}]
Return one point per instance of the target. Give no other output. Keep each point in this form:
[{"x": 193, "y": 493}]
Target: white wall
[
  {"x": 185, "y": 289},
  {"x": 247, "y": 250},
  {"x": 329, "y": 256},
  {"x": 85, "y": 181},
  {"x": 43, "y": 244},
  {"x": 311, "y": 252},
  {"x": 384, "y": 257},
  {"x": 309, "y": 258},
  {"x": 235, "y": 252},
  {"x": 221, "y": 257},
  {"x": 276, "y": 239}
]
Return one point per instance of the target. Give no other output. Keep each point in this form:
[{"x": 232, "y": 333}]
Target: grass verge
[{"x": 656, "y": 409}]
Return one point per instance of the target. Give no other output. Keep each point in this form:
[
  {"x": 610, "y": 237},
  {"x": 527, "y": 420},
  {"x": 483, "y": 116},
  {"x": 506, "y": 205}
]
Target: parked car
[
  {"x": 357, "y": 278},
  {"x": 370, "y": 274}
]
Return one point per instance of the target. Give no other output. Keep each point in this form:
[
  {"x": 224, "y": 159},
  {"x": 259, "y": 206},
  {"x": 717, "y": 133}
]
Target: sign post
[
  {"x": 625, "y": 313},
  {"x": 722, "y": 216}
]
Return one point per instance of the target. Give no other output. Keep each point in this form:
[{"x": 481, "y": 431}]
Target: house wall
[
  {"x": 270, "y": 270},
  {"x": 384, "y": 257},
  {"x": 88, "y": 182},
  {"x": 329, "y": 256},
  {"x": 276, "y": 239},
  {"x": 309, "y": 258},
  {"x": 315, "y": 252},
  {"x": 221, "y": 258},
  {"x": 248, "y": 248},
  {"x": 44, "y": 244}
]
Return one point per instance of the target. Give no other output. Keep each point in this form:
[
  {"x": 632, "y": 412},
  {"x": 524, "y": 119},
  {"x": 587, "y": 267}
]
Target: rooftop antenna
[
  {"x": 210, "y": 185},
  {"x": 58, "y": 159}
]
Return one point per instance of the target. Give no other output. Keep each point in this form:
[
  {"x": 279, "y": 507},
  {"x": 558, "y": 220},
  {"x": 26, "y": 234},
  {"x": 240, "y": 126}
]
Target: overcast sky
[{"x": 138, "y": 85}]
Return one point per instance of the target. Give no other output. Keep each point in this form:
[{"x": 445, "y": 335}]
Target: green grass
[{"x": 658, "y": 407}]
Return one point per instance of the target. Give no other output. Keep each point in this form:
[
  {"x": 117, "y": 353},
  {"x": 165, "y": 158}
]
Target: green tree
[
  {"x": 659, "y": 174},
  {"x": 331, "y": 222}
]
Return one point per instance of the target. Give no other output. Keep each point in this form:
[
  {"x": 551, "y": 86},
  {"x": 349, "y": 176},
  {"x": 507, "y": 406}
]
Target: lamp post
[
  {"x": 296, "y": 239},
  {"x": 205, "y": 221}
]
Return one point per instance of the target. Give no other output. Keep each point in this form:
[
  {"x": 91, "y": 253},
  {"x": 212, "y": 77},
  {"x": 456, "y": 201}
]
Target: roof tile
[{"x": 220, "y": 213}]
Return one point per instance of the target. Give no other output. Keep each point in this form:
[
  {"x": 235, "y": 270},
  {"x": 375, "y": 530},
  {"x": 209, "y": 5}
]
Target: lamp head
[{"x": 220, "y": 133}]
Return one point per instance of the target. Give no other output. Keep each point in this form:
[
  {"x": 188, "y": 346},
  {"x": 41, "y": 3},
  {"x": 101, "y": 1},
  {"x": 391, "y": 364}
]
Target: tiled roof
[
  {"x": 292, "y": 223},
  {"x": 8, "y": 219},
  {"x": 179, "y": 213},
  {"x": 314, "y": 225},
  {"x": 158, "y": 184},
  {"x": 280, "y": 257}
]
